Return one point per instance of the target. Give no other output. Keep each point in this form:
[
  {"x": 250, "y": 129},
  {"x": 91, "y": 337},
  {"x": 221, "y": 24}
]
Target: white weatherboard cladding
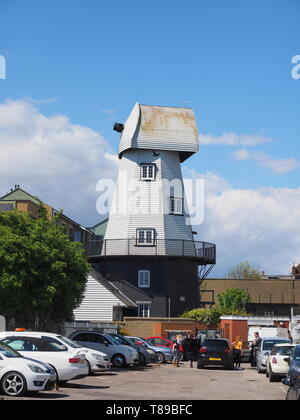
[
  {"x": 97, "y": 304},
  {"x": 160, "y": 128},
  {"x": 146, "y": 204}
]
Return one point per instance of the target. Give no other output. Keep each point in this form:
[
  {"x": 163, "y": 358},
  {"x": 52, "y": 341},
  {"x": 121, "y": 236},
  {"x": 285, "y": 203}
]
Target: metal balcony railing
[{"x": 160, "y": 247}]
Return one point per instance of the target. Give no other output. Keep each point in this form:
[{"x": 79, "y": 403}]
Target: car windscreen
[
  {"x": 112, "y": 339},
  {"x": 282, "y": 350},
  {"x": 269, "y": 344},
  {"x": 8, "y": 352},
  {"x": 121, "y": 340},
  {"x": 69, "y": 342}
]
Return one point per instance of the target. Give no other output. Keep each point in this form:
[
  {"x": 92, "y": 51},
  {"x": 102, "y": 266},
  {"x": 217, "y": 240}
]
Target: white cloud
[
  {"x": 232, "y": 139},
  {"x": 276, "y": 165},
  {"x": 53, "y": 158},
  {"x": 257, "y": 225}
]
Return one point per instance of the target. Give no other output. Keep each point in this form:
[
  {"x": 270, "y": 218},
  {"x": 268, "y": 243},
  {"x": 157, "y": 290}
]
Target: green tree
[
  {"x": 244, "y": 270},
  {"x": 206, "y": 316},
  {"x": 233, "y": 301},
  {"x": 42, "y": 272}
]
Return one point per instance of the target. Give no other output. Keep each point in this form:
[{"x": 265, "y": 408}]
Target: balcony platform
[{"x": 203, "y": 252}]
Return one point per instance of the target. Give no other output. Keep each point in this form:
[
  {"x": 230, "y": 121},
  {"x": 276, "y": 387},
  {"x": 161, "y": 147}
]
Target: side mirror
[
  {"x": 286, "y": 381},
  {"x": 287, "y": 359}
]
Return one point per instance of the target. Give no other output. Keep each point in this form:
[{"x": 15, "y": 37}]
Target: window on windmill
[
  {"x": 147, "y": 171},
  {"x": 145, "y": 237},
  {"x": 144, "y": 278},
  {"x": 176, "y": 205}
]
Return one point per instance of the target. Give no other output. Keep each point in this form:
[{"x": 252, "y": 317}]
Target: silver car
[
  {"x": 163, "y": 354},
  {"x": 264, "y": 350},
  {"x": 119, "y": 355},
  {"x": 146, "y": 355}
]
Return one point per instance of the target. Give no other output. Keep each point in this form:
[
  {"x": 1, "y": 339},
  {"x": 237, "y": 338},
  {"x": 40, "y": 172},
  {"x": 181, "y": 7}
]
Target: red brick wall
[{"x": 234, "y": 328}]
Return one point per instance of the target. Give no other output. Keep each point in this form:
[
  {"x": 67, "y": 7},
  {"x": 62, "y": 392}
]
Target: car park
[
  {"x": 19, "y": 374},
  {"x": 163, "y": 354},
  {"x": 146, "y": 355},
  {"x": 263, "y": 351},
  {"x": 119, "y": 355},
  {"x": 48, "y": 348},
  {"x": 215, "y": 352},
  {"x": 277, "y": 366}
]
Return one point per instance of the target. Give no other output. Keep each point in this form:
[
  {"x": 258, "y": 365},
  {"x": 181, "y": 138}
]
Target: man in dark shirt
[
  {"x": 254, "y": 347},
  {"x": 190, "y": 347}
]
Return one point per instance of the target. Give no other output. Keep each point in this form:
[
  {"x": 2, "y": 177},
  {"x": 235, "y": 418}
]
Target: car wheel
[
  {"x": 118, "y": 361},
  {"x": 160, "y": 357},
  {"x": 89, "y": 367},
  {"x": 259, "y": 370},
  {"x": 200, "y": 366},
  {"x": 14, "y": 384},
  {"x": 272, "y": 377},
  {"x": 142, "y": 359}
]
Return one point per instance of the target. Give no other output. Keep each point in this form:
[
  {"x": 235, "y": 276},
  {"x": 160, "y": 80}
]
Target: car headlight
[
  {"x": 150, "y": 352},
  {"x": 36, "y": 369},
  {"x": 99, "y": 357}
]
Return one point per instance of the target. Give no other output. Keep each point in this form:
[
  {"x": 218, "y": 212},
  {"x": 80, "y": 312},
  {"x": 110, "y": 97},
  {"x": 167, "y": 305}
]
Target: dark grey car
[
  {"x": 146, "y": 355},
  {"x": 163, "y": 354}
]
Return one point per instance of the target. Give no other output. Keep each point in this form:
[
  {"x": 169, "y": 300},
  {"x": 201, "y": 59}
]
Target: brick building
[{"x": 274, "y": 295}]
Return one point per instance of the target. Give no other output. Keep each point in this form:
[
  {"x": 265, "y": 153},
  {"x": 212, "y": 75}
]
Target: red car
[{"x": 159, "y": 341}]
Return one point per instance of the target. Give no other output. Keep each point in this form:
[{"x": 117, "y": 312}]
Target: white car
[
  {"x": 97, "y": 360},
  {"x": 277, "y": 367},
  {"x": 48, "y": 348},
  {"x": 119, "y": 355},
  {"x": 19, "y": 374}
]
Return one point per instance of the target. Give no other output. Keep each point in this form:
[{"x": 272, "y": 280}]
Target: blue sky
[{"x": 230, "y": 61}]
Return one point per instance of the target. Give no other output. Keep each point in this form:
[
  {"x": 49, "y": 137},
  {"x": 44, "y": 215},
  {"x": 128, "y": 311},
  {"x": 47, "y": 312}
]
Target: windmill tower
[{"x": 149, "y": 240}]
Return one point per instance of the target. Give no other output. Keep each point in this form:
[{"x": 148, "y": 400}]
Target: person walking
[
  {"x": 190, "y": 347},
  {"x": 176, "y": 351},
  {"x": 237, "y": 351}
]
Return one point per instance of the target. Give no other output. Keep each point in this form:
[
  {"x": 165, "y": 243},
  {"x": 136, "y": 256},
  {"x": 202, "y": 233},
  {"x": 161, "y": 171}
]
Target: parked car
[
  {"x": 215, "y": 351},
  {"x": 264, "y": 350},
  {"x": 146, "y": 355},
  {"x": 163, "y": 354},
  {"x": 97, "y": 360},
  {"x": 293, "y": 392},
  {"x": 163, "y": 342},
  {"x": 119, "y": 355},
  {"x": 246, "y": 351},
  {"x": 294, "y": 364},
  {"x": 277, "y": 367},
  {"x": 19, "y": 374},
  {"x": 48, "y": 348},
  {"x": 159, "y": 341}
]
